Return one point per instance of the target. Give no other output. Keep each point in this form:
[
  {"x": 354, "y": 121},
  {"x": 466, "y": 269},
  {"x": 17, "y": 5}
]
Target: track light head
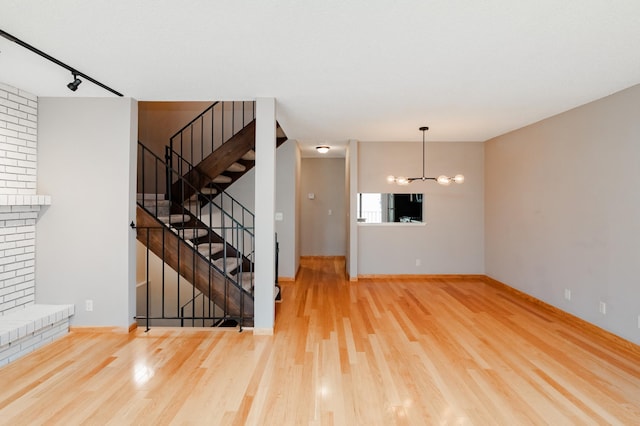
[{"x": 73, "y": 86}]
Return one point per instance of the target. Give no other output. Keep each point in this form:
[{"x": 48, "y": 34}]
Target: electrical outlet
[
  {"x": 567, "y": 294},
  {"x": 418, "y": 262},
  {"x": 88, "y": 305},
  {"x": 603, "y": 308}
]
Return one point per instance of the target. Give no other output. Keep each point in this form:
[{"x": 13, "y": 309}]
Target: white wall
[
  {"x": 563, "y": 211},
  {"x": 287, "y": 186},
  {"x": 85, "y": 247},
  {"x": 452, "y": 241},
  {"x": 287, "y": 183},
  {"x": 322, "y": 219}
]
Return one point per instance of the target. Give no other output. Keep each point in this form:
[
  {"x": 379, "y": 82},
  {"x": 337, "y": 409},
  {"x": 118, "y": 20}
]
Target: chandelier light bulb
[
  {"x": 391, "y": 179},
  {"x": 458, "y": 178},
  {"x": 444, "y": 180},
  {"x": 401, "y": 180}
]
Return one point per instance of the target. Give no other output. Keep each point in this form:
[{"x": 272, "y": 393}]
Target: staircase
[{"x": 185, "y": 217}]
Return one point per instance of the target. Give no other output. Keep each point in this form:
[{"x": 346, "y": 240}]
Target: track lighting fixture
[{"x": 73, "y": 86}]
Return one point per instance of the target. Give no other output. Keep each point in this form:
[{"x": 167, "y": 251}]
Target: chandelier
[{"x": 442, "y": 179}]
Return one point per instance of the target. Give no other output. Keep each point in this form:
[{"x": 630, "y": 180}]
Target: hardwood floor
[{"x": 375, "y": 352}]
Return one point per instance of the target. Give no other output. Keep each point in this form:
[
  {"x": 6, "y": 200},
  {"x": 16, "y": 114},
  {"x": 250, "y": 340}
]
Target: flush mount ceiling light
[
  {"x": 323, "y": 149},
  {"x": 442, "y": 179},
  {"x": 73, "y": 86}
]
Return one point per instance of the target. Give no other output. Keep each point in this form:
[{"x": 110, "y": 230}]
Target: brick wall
[{"x": 19, "y": 204}]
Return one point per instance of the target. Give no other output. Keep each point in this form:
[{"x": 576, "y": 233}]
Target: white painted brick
[
  {"x": 17, "y": 115},
  {"x": 14, "y": 266},
  {"x": 13, "y": 143},
  {"x": 29, "y": 216},
  {"x": 7, "y": 275},
  {"x": 4, "y": 245},
  {"x": 8, "y": 117},
  {"x": 27, "y": 178},
  {"x": 7, "y": 231},
  {"x": 15, "y": 281},
  {"x": 25, "y": 271},
  {"x": 12, "y": 184},
  {"x": 6, "y": 260},
  {"x": 27, "y": 109},
  {"x": 29, "y": 96},
  {"x": 29, "y": 342},
  {"x": 15, "y": 222},
  {"x": 18, "y": 128},
  {"x": 28, "y": 151},
  {"x": 6, "y": 290},
  {"x": 8, "y": 176},
  {"x": 17, "y": 98},
  {"x": 16, "y": 155},
  {"x": 14, "y": 237},
  {"x": 10, "y": 104},
  {"x": 27, "y": 136},
  {"x": 26, "y": 243},
  {"x": 28, "y": 124},
  {"x": 8, "y": 161},
  {"x": 8, "y": 351},
  {"x": 9, "y": 89},
  {"x": 15, "y": 170},
  {"x": 14, "y": 296},
  {"x": 26, "y": 299},
  {"x": 9, "y": 215},
  {"x": 7, "y": 132},
  {"x": 25, "y": 257},
  {"x": 7, "y": 307}
]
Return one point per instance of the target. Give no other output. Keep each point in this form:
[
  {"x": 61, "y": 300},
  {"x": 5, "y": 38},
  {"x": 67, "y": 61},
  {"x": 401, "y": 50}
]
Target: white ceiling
[{"x": 370, "y": 70}]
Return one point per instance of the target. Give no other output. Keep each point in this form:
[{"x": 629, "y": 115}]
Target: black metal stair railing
[
  {"x": 197, "y": 224},
  {"x": 220, "y": 201},
  {"x": 210, "y": 129}
]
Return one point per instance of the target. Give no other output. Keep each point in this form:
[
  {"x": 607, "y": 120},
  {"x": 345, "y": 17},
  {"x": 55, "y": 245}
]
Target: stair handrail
[
  {"x": 196, "y": 118},
  {"x": 200, "y": 194},
  {"x": 239, "y": 226},
  {"x": 199, "y": 121},
  {"x": 192, "y": 169}
]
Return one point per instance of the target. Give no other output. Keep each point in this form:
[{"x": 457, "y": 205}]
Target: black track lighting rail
[{"x": 73, "y": 71}]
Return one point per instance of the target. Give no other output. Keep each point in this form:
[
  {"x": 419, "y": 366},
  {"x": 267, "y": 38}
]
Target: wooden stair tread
[
  {"x": 236, "y": 168},
  {"x": 209, "y": 250},
  {"x": 175, "y": 218},
  {"x": 222, "y": 179},
  {"x": 208, "y": 191},
  {"x": 231, "y": 264},
  {"x": 245, "y": 279},
  {"x": 249, "y": 156},
  {"x": 192, "y": 234}
]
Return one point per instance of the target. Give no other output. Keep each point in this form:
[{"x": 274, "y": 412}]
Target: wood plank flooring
[{"x": 375, "y": 352}]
